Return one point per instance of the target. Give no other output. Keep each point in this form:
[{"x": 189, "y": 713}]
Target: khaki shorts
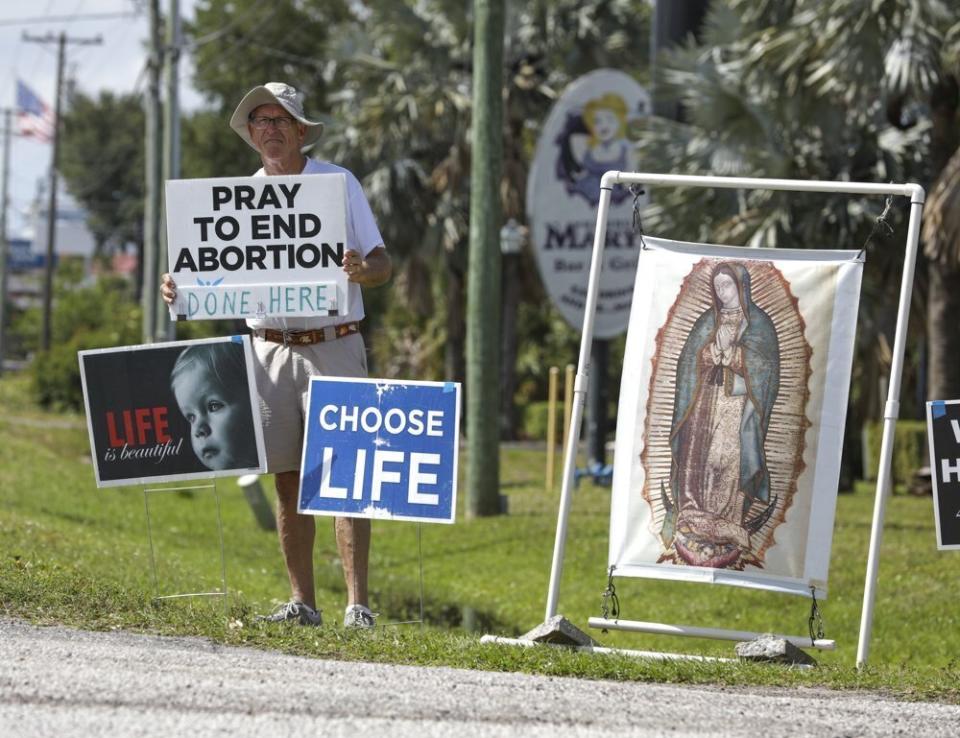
[{"x": 283, "y": 382}]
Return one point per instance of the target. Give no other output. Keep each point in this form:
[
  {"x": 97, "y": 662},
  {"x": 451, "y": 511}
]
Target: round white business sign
[{"x": 588, "y": 132}]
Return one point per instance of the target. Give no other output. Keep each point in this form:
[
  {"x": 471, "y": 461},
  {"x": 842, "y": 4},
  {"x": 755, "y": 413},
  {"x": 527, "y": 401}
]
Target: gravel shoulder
[{"x": 56, "y": 681}]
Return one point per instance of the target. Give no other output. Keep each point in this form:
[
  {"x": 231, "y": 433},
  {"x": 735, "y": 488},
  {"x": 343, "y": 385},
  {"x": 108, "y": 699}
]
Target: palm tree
[
  {"x": 929, "y": 75},
  {"x": 905, "y": 54},
  {"x": 404, "y": 72},
  {"x": 403, "y": 111},
  {"x": 846, "y": 89},
  {"x": 941, "y": 237}
]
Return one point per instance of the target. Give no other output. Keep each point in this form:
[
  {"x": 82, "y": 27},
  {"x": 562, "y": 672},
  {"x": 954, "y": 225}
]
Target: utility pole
[
  {"x": 166, "y": 328},
  {"x": 598, "y": 397},
  {"x": 4, "y": 243},
  {"x": 52, "y": 207},
  {"x": 673, "y": 21},
  {"x": 483, "y": 274},
  {"x": 61, "y": 42},
  {"x": 153, "y": 171}
]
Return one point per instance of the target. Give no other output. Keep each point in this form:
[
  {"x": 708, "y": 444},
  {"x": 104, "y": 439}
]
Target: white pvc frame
[{"x": 891, "y": 409}]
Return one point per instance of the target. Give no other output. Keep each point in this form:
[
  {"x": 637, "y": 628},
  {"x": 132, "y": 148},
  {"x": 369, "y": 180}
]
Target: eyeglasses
[{"x": 282, "y": 123}]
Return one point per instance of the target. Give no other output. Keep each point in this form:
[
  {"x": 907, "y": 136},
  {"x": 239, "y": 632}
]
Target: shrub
[
  {"x": 909, "y": 449},
  {"x": 99, "y": 316},
  {"x": 535, "y": 420},
  {"x": 55, "y": 374},
  {"x": 107, "y": 304}
]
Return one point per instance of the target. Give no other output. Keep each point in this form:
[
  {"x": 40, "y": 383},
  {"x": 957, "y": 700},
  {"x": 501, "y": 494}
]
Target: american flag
[{"x": 34, "y": 115}]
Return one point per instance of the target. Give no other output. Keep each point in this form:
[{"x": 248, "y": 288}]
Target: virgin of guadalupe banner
[
  {"x": 172, "y": 411},
  {"x": 732, "y": 406}
]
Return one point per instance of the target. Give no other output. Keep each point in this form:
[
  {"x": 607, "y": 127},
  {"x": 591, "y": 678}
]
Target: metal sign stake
[{"x": 153, "y": 559}]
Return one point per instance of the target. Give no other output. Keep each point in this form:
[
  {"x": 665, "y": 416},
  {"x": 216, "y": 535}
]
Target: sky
[{"x": 117, "y": 64}]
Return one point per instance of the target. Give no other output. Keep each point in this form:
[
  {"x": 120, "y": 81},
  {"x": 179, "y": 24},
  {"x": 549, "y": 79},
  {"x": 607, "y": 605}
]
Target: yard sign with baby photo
[
  {"x": 732, "y": 408},
  {"x": 379, "y": 448},
  {"x": 172, "y": 411},
  {"x": 256, "y": 247}
]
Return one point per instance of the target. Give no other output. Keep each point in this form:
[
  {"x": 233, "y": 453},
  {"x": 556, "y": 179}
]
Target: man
[{"x": 288, "y": 351}]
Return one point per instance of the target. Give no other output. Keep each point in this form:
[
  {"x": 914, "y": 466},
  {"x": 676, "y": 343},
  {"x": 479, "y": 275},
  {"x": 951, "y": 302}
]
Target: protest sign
[
  {"x": 172, "y": 411},
  {"x": 943, "y": 434},
  {"x": 256, "y": 247},
  {"x": 378, "y": 448}
]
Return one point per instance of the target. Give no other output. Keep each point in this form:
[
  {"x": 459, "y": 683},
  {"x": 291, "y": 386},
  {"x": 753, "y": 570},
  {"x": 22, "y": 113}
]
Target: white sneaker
[
  {"x": 292, "y": 612},
  {"x": 359, "y": 616}
]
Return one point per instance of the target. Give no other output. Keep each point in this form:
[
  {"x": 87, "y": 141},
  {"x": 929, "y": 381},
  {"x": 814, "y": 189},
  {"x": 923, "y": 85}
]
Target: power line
[
  {"x": 106, "y": 52},
  {"x": 237, "y": 45},
  {"x": 37, "y": 56},
  {"x": 236, "y": 20},
  {"x": 60, "y": 19}
]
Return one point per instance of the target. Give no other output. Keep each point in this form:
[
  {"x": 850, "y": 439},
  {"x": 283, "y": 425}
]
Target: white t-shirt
[{"x": 362, "y": 235}]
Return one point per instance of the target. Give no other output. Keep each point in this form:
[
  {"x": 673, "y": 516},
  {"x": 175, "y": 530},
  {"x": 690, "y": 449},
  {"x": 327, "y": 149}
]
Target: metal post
[
  {"x": 567, "y": 400},
  {"x": 597, "y": 410},
  {"x": 4, "y": 243},
  {"x": 551, "y": 426},
  {"x": 890, "y": 414},
  {"x": 672, "y": 23},
  {"x": 579, "y": 396},
  {"x": 223, "y": 556},
  {"x": 153, "y": 557},
  {"x": 222, "y": 592},
  {"x": 420, "y": 569},
  {"x": 164, "y": 327},
  {"x": 508, "y": 344},
  {"x": 149, "y": 293},
  {"x": 46, "y": 328},
  {"x": 257, "y": 500}
]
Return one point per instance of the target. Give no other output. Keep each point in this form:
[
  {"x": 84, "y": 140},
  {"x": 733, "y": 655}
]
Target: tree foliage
[
  {"x": 839, "y": 90},
  {"x": 237, "y": 44},
  {"x": 402, "y": 116},
  {"x": 391, "y": 79},
  {"x": 806, "y": 89},
  {"x": 101, "y": 160}
]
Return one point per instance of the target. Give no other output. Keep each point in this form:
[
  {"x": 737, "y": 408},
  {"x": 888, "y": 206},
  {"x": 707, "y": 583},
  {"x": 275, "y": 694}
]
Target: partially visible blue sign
[
  {"x": 378, "y": 448},
  {"x": 20, "y": 258}
]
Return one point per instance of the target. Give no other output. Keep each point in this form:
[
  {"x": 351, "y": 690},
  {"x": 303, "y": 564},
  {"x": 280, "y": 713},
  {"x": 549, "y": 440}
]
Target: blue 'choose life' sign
[{"x": 378, "y": 448}]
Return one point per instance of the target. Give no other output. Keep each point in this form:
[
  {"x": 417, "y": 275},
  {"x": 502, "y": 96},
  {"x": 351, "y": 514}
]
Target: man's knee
[{"x": 288, "y": 486}]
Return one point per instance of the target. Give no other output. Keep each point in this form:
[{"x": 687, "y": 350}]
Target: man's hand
[
  {"x": 168, "y": 289},
  {"x": 370, "y": 272}
]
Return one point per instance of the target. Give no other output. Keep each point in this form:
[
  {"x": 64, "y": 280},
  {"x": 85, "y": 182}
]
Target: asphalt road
[{"x": 60, "y": 682}]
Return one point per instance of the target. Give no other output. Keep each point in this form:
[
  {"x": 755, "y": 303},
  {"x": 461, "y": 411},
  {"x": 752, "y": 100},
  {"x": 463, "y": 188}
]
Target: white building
[{"x": 72, "y": 237}]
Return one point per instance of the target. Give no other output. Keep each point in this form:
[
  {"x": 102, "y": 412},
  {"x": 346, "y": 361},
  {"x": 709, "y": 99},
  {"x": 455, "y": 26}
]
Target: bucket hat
[{"x": 274, "y": 93}]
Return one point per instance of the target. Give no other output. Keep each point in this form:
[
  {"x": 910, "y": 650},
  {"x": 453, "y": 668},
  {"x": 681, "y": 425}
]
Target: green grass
[{"x": 73, "y": 554}]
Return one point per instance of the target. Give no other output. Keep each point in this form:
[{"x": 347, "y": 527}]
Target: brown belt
[{"x": 308, "y": 337}]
